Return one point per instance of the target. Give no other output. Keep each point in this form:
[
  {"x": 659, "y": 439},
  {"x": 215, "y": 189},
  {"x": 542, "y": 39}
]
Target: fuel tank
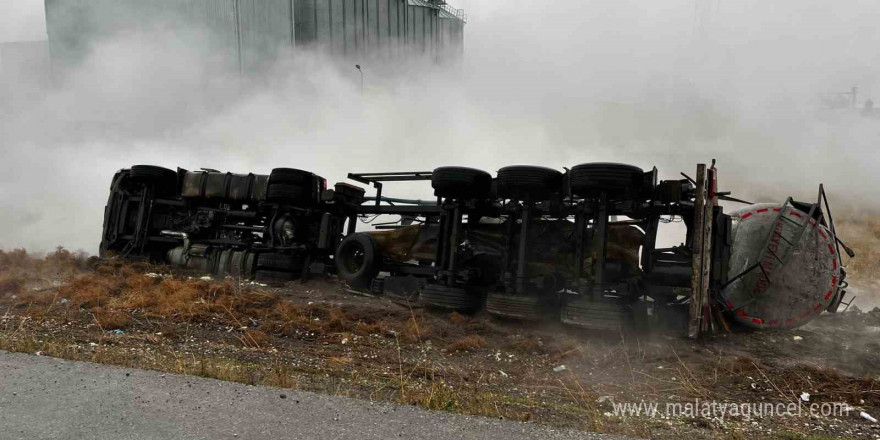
[{"x": 784, "y": 265}]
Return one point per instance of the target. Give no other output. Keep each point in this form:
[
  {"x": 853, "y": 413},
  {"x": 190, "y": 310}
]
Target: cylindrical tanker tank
[{"x": 787, "y": 266}]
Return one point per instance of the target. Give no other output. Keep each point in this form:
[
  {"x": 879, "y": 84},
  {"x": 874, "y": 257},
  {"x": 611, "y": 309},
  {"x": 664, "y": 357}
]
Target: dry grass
[
  {"x": 457, "y": 318},
  {"x": 862, "y": 234},
  {"x": 255, "y": 338},
  {"x": 469, "y": 342},
  {"x": 364, "y": 350},
  {"x": 118, "y": 296},
  {"x": 20, "y": 267},
  {"x": 416, "y": 329},
  {"x": 110, "y": 319},
  {"x": 11, "y": 285}
]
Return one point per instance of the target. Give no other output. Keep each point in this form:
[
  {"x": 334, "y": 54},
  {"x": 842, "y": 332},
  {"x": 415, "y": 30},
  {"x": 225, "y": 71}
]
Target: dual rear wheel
[{"x": 290, "y": 186}]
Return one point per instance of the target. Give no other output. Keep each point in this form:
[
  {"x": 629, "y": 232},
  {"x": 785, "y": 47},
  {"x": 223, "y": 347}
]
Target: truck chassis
[{"x": 529, "y": 243}]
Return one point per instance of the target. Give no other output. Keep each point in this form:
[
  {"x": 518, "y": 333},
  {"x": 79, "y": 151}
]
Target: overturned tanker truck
[{"x": 530, "y": 243}]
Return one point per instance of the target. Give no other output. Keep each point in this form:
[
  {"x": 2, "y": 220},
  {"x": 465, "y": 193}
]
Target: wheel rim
[{"x": 353, "y": 257}]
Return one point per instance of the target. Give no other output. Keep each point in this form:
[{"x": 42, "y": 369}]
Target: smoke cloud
[{"x": 555, "y": 84}]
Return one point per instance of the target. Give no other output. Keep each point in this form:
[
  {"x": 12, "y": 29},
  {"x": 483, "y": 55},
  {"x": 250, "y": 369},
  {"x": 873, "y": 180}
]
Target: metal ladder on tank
[{"x": 793, "y": 245}]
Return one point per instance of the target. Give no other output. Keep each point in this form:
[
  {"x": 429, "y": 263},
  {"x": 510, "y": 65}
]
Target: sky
[{"x": 549, "y": 83}]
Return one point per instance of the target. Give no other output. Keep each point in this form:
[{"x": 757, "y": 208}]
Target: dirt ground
[{"x": 321, "y": 336}]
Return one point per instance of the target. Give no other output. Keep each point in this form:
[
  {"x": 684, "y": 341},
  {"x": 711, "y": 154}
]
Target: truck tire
[
  {"x": 596, "y": 315},
  {"x": 448, "y": 298},
  {"x": 461, "y": 182},
  {"x": 616, "y": 179},
  {"x": 283, "y": 192},
  {"x": 357, "y": 260},
  {"x": 521, "y": 181},
  {"x": 162, "y": 179},
  {"x": 280, "y": 262},
  {"x": 151, "y": 173},
  {"x": 222, "y": 267},
  {"x": 290, "y": 176},
  {"x": 525, "y": 307}
]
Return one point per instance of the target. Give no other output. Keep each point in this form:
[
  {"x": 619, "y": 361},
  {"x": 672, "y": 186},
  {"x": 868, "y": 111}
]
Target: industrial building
[{"x": 251, "y": 33}]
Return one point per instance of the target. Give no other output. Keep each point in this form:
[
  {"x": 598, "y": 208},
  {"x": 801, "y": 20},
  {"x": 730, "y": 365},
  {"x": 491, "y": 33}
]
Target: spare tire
[
  {"x": 162, "y": 179},
  {"x": 521, "y": 181},
  {"x": 461, "y": 182},
  {"x": 615, "y": 179},
  {"x": 357, "y": 260}
]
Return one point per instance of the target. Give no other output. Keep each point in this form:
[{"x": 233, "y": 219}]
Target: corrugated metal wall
[
  {"x": 266, "y": 28},
  {"x": 251, "y": 33},
  {"x": 384, "y": 28}
]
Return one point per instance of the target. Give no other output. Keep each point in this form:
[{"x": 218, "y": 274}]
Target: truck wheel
[
  {"x": 526, "y": 307},
  {"x": 162, "y": 179},
  {"x": 448, "y": 298},
  {"x": 357, "y": 260},
  {"x": 521, "y": 181},
  {"x": 617, "y": 179},
  {"x": 461, "y": 182}
]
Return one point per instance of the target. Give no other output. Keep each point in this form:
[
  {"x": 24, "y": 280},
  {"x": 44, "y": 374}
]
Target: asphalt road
[{"x": 48, "y": 398}]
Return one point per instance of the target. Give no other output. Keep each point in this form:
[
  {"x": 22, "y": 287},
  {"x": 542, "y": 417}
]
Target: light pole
[{"x": 358, "y": 67}]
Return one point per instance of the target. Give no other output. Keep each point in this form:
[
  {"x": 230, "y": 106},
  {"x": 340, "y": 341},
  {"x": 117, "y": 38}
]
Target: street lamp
[{"x": 358, "y": 67}]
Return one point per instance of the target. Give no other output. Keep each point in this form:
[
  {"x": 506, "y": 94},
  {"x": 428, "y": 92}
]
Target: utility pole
[{"x": 358, "y": 67}]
